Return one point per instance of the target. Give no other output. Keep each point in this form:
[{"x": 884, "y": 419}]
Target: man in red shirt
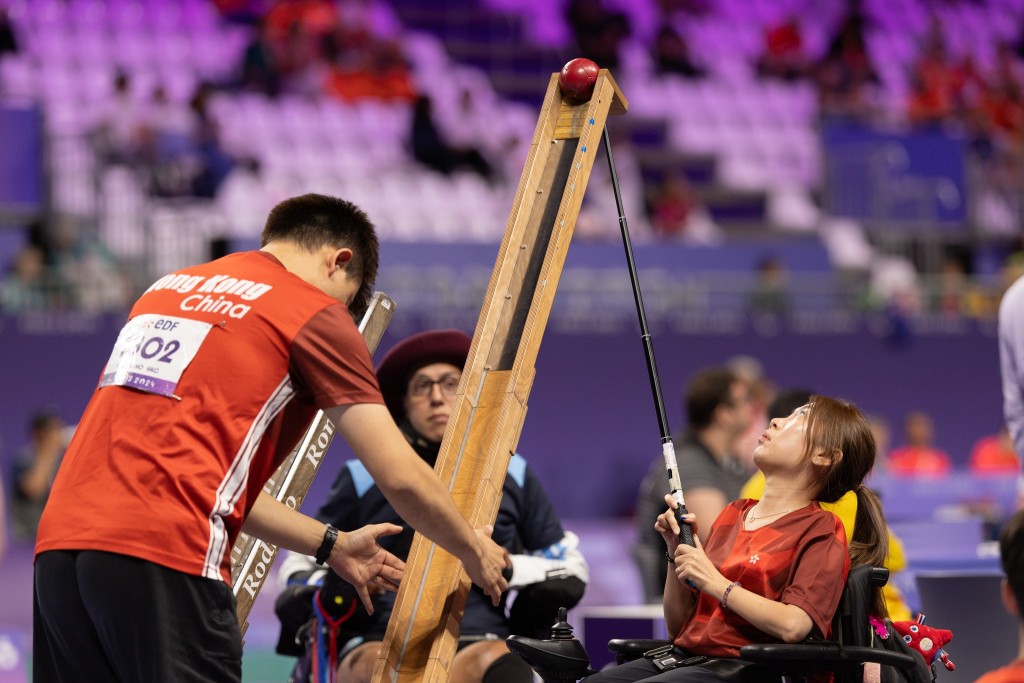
[
  {"x": 1011, "y": 553},
  {"x": 218, "y": 371}
]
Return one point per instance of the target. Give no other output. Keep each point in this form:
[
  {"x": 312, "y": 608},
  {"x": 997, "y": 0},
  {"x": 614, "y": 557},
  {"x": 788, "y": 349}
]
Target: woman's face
[
  {"x": 782, "y": 445},
  {"x": 429, "y": 398}
]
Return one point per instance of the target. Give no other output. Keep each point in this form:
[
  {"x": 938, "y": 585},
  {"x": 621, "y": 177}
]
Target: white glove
[
  {"x": 559, "y": 561},
  {"x": 293, "y": 563}
]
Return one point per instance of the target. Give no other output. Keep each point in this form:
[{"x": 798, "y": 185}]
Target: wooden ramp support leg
[{"x": 490, "y": 406}]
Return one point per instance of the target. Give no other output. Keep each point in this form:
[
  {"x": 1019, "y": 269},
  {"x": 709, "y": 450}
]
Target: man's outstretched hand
[
  {"x": 359, "y": 559},
  {"x": 486, "y": 567}
]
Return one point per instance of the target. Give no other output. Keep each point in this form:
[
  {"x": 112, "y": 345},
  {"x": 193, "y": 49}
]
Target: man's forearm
[
  {"x": 408, "y": 483},
  {"x": 274, "y": 522},
  {"x": 420, "y": 498}
]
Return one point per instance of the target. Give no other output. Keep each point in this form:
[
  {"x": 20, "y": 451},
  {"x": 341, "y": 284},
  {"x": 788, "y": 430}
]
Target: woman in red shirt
[{"x": 772, "y": 570}]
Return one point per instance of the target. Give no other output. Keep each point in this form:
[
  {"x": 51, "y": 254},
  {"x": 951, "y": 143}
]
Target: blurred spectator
[
  {"x": 994, "y": 454},
  {"x": 895, "y": 289},
  {"x": 379, "y": 71},
  {"x": 88, "y": 271},
  {"x": 933, "y": 78},
  {"x": 8, "y": 41},
  {"x": 260, "y": 68},
  {"x": 770, "y": 294},
  {"x": 316, "y": 18},
  {"x": 762, "y": 392},
  {"x": 430, "y": 148},
  {"x": 677, "y": 212},
  {"x": 672, "y": 54},
  {"x": 671, "y": 205},
  {"x": 883, "y": 439},
  {"x": 468, "y": 124},
  {"x": 165, "y": 145},
  {"x": 846, "y": 76},
  {"x": 598, "y": 32},
  {"x": 34, "y": 469},
  {"x": 243, "y": 200},
  {"x": 1011, "y": 558},
  {"x": 213, "y": 163},
  {"x": 952, "y": 287},
  {"x": 718, "y": 410},
  {"x": 784, "y": 55},
  {"x": 1004, "y": 109},
  {"x": 117, "y": 135},
  {"x": 298, "y": 50},
  {"x": 919, "y": 457},
  {"x": 26, "y": 286},
  {"x": 598, "y": 219},
  {"x": 242, "y": 11}
]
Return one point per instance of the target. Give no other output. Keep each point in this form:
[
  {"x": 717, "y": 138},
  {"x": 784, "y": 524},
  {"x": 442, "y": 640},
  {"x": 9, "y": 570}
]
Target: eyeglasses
[{"x": 422, "y": 386}]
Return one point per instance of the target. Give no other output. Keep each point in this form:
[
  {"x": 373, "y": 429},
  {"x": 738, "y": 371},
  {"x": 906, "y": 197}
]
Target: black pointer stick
[{"x": 667, "y": 449}]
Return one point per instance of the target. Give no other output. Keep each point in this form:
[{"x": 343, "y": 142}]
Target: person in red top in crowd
[
  {"x": 919, "y": 457},
  {"x": 1011, "y": 556},
  {"x": 216, "y": 375},
  {"x": 770, "y": 571},
  {"x": 994, "y": 454},
  {"x": 784, "y": 55}
]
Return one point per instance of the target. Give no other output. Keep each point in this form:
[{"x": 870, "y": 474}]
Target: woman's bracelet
[{"x": 725, "y": 596}]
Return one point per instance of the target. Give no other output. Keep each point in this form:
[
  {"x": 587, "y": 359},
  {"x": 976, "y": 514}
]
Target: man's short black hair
[
  {"x": 313, "y": 221},
  {"x": 1011, "y": 555},
  {"x": 707, "y": 390},
  {"x": 785, "y": 402}
]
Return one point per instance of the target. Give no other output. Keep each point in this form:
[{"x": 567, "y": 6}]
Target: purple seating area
[{"x": 750, "y": 145}]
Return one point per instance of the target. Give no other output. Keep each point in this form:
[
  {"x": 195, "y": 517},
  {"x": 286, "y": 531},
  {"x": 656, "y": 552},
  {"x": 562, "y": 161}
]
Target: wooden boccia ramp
[{"x": 490, "y": 405}]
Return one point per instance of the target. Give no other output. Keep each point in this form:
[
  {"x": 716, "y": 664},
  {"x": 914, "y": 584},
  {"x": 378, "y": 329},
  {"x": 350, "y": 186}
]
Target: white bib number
[{"x": 152, "y": 351}]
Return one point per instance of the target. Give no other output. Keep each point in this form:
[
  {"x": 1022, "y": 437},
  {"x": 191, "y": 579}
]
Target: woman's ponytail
[{"x": 870, "y": 542}]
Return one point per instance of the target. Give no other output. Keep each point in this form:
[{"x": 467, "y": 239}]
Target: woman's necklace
[{"x": 752, "y": 518}]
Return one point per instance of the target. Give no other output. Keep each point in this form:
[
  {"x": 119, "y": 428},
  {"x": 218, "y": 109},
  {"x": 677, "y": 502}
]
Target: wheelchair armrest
[
  {"x": 628, "y": 649},
  {"x": 879, "y": 576},
  {"x": 822, "y": 656}
]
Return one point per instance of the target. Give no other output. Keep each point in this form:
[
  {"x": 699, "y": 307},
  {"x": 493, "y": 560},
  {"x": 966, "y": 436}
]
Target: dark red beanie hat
[{"x": 412, "y": 353}]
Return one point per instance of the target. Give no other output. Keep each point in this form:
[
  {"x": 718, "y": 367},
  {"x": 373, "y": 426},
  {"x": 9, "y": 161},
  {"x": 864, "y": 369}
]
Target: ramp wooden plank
[{"x": 491, "y": 403}]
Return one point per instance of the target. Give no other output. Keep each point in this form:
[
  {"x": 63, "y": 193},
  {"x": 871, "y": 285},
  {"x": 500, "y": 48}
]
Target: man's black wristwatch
[{"x": 324, "y": 552}]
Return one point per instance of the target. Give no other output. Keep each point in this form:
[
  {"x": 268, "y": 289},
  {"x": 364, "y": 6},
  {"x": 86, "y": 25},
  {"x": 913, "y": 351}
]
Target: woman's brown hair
[{"x": 837, "y": 427}]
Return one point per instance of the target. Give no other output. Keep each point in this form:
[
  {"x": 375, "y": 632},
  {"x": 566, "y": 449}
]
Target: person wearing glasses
[{"x": 419, "y": 379}]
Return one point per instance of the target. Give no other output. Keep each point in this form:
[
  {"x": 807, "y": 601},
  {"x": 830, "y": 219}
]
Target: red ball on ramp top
[{"x": 577, "y": 79}]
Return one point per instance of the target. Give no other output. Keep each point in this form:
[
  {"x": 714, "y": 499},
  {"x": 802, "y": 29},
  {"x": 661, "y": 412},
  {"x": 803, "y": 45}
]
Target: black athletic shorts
[{"x": 100, "y": 616}]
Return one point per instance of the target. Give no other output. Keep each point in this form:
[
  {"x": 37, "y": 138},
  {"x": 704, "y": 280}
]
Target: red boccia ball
[{"x": 577, "y": 79}]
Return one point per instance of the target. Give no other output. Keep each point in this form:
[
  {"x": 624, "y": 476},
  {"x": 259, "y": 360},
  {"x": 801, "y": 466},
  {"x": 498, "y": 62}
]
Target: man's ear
[
  {"x": 1009, "y": 600},
  {"x": 338, "y": 259}
]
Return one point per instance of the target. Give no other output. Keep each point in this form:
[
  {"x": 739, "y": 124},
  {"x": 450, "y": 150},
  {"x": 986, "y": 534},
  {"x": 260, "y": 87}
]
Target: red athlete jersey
[
  {"x": 800, "y": 559},
  {"x": 217, "y": 374}
]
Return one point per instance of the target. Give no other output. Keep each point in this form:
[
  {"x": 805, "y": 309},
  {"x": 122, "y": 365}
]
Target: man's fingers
[
  {"x": 386, "y": 529},
  {"x": 391, "y": 574},
  {"x": 394, "y": 563},
  {"x": 364, "y": 595},
  {"x": 385, "y": 583}
]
